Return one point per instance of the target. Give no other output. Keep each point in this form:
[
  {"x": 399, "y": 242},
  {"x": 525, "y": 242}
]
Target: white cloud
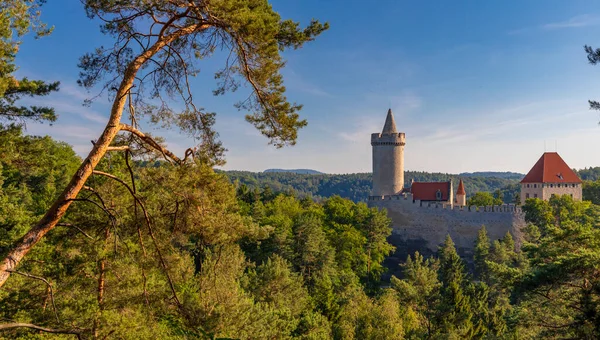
[
  {"x": 74, "y": 91},
  {"x": 63, "y": 131},
  {"x": 577, "y": 21},
  {"x": 584, "y": 20}
]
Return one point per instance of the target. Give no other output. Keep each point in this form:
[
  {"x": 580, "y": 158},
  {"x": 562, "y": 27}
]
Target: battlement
[
  {"x": 407, "y": 200},
  {"x": 388, "y": 139}
]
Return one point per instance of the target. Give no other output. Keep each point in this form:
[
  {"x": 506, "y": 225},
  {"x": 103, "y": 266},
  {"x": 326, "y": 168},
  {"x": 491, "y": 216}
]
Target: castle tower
[
  {"x": 388, "y": 159},
  {"x": 461, "y": 195}
]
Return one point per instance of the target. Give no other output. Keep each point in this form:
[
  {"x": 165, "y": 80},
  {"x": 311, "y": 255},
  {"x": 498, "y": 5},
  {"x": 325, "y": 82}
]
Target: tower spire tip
[{"x": 390, "y": 124}]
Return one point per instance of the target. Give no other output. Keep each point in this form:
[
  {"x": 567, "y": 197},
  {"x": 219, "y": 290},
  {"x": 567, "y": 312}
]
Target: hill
[
  {"x": 296, "y": 171},
  {"x": 357, "y": 187},
  {"x": 506, "y": 175},
  {"x": 589, "y": 174}
]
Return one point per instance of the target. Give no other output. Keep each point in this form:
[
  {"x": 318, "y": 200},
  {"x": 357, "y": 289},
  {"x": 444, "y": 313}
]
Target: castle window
[
  {"x": 526, "y": 195},
  {"x": 551, "y": 185},
  {"x": 534, "y": 195},
  {"x": 528, "y": 185},
  {"x": 558, "y": 185}
]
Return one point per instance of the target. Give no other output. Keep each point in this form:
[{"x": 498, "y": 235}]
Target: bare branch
[
  {"x": 69, "y": 225},
  {"x": 7, "y": 326},
  {"x": 148, "y": 140},
  {"x": 118, "y": 148},
  {"x": 47, "y": 283},
  {"x": 150, "y": 231},
  {"x": 135, "y": 212}
]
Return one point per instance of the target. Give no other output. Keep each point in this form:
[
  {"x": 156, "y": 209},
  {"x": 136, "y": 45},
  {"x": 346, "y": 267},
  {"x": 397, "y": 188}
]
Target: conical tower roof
[
  {"x": 461, "y": 188},
  {"x": 390, "y": 124}
]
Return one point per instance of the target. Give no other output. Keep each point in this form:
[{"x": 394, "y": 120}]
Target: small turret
[{"x": 461, "y": 194}]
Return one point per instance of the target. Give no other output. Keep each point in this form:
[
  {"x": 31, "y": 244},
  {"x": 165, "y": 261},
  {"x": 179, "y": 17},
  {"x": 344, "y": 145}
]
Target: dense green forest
[
  {"x": 134, "y": 242},
  {"x": 589, "y": 174},
  {"x": 357, "y": 187},
  {"x": 194, "y": 257}
]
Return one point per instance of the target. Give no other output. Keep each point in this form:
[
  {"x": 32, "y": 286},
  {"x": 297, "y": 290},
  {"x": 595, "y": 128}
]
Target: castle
[{"x": 423, "y": 214}]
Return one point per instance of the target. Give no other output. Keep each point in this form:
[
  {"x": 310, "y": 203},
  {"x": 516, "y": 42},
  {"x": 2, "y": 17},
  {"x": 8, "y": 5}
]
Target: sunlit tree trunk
[{"x": 62, "y": 203}]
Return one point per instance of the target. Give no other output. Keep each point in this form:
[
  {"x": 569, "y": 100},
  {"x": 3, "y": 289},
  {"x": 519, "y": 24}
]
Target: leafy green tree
[
  {"x": 591, "y": 191},
  {"x": 483, "y": 199},
  {"x": 366, "y": 318},
  {"x": 589, "y": 174},
  {"x": 558, "y": 296},
  {"x": 419, "y": 293},
  {"x": 33, "y": 170},
  {"x": 359, "y": 235},
  {"x": 498, "y": 196},
  {"x": 274, "y": 283},
  {"x": 313, "y": 254}
]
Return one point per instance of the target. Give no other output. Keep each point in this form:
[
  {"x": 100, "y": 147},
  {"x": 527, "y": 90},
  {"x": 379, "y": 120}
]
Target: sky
[{"x": 475, "y": 85}]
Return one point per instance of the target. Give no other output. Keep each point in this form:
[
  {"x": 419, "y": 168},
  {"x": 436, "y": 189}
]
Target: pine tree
[
  {"x": 482, "y": 251},
  {"x": 17, "y": 18},
  {"x": 157, "y": 47},
  {"x": 455, "y": 314}
]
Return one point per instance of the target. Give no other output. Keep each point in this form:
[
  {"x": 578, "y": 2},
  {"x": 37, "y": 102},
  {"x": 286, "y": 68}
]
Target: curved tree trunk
[{"x": 62, "y": 203}]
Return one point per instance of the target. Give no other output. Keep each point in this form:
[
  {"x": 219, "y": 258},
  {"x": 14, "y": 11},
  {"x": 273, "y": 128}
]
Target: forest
[
  {"x": 198, "y": 258},
  {"x": 133, "y": 241},
  {"x": 357, "y": 187},
  {"x": 486, "y": 186}
]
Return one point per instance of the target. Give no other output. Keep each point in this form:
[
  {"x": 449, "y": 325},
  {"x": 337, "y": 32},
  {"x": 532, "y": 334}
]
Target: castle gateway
[{"x": 423, "y": 213}]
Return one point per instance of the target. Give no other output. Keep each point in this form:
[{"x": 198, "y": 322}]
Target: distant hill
[
  {"x": 589, "y": 174},
  {"x": 297, "y": 171},
  {"x": 506, "y": 175},
  {"x": 357, "y": 187}
]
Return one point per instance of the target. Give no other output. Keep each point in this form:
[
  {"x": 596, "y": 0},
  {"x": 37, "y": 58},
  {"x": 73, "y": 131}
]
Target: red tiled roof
[
  {"x": 551, "y": 168},
  {"x": 461, "y": 188},
  {"x": 426, "y": 191}
]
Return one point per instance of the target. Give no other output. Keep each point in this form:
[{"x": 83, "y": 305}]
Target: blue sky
[{"x": 475, "y": 85}]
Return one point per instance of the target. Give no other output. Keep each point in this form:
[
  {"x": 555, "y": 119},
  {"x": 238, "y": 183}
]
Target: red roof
[
  {"x": 426, "y": 191},
  {"x": 551, "y": 168},
  {"x": 461, "y": 188}
]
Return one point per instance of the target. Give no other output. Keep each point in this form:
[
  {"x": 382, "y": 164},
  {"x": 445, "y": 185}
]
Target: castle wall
[
  {"x": 422, "y": 226},
  {"x": 388, "y": 163}
]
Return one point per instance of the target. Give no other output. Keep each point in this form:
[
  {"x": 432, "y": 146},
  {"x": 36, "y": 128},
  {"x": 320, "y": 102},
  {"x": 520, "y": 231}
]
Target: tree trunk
[{"x": 62, "y": 203}]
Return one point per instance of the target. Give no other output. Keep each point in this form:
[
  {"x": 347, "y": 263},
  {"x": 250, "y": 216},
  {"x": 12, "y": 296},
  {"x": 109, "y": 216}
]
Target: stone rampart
[{"x": 423, "y": 226}]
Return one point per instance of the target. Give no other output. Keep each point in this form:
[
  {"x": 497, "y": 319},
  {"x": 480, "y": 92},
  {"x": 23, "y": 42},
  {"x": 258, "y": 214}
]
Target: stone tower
[{"x": 388, "y": 159}]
